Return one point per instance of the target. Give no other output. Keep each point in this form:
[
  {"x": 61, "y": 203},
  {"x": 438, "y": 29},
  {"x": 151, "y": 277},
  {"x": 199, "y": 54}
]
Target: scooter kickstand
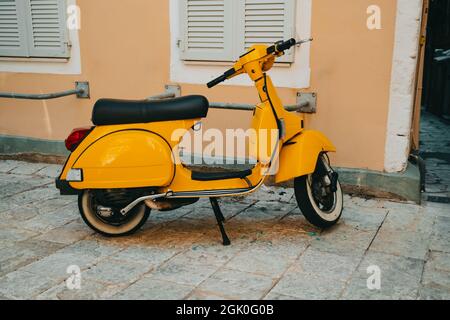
[{"x": 220, "y": 219}]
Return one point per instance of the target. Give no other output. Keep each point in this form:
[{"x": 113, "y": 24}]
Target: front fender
[{"x": 299, "y": 156}]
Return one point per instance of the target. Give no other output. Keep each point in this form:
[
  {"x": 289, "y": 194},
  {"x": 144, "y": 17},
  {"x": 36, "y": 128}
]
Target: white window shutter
[
  {"x": 266, "y": 22},
  {"x": 206, "y": 30},
  {"x": 47, "y": 31},
  {"x": 13, "y": 40}
]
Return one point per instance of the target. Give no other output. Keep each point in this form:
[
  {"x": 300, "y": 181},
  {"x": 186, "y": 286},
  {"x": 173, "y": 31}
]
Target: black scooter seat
[{"x": 112, "y": 111}]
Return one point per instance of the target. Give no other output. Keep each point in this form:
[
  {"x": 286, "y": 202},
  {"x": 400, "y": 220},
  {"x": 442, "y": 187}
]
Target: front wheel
[
  {"x": 106, "y": 219},
  {"x": 319, "y": 204}
]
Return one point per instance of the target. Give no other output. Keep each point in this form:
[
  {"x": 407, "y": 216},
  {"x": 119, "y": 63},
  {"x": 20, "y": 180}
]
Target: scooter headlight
[{"x": 75, "y": 175}]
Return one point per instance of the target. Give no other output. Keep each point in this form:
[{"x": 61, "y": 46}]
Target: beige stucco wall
[{"x": 125, "y": 53}]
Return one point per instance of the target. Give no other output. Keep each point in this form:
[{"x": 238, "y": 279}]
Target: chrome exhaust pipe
[{"x": 133, "y": 204}]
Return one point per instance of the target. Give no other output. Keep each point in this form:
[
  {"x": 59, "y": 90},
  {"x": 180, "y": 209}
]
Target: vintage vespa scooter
[{"x": 129, "y": 163}]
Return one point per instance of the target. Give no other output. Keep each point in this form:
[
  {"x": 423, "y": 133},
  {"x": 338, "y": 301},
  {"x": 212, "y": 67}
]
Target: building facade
[{"x": 362, "y": 65}]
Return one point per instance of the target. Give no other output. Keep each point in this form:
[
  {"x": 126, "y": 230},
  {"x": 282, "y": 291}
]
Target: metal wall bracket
[
  {"x": 173, "y": 88},
  {"x": 171, "y": 91},
  {"x": 307, "y": 101},
  {"x": 83, "y": 89}
]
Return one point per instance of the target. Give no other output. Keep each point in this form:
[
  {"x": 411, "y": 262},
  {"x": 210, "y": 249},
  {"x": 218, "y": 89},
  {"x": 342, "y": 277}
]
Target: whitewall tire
[
  {"x": 319, "y": 214},
  {"x": 119, "y": 226}
]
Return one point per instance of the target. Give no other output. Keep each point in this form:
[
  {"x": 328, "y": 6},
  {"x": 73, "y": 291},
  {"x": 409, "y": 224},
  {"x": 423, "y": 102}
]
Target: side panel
[
  {"x": 299, "y": 157},
  {"x": 126, "y": 159}
]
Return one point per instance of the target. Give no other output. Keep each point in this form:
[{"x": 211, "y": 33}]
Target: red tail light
[{"x": 76, "y": 136}]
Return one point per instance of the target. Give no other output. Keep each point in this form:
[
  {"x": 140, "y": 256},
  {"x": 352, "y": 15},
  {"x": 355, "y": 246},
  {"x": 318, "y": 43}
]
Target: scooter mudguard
[
  {"x": 123, "y": 159},
  {"x": 299, "y": 155}
]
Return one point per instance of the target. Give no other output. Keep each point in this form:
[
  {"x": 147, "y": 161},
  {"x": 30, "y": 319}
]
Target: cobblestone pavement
[
  {"x": 435, "y": 150},
  {"x": 275, "y": 253}
]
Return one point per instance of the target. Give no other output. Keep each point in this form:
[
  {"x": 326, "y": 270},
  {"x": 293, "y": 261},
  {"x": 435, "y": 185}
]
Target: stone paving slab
[
  {"x": 434, "y": 293},
  {"x": 343, "y": 239},
  {"x": 23, "y": 253},
  {"x": 24, "y": 168},
  {"x": 154, "y": 289},
  {"x": 8, "y": 165},
  {"x": 235, "y": 284},
  {"x": 116, "y": 272},
  {"x": 275, "y": 252},
  {"x": 51, "y": 171},
  {"x": 435, "y": 150},
  {"x": 92, "y": 290},
  {"x": 24, "y": 285},
  {"x": 309, "y": 279},
  {"x": 263, "y": 261},
  {"x": 400, "y": 278},
  {"x": 405, "y": 243},
  {"x": 67, "y": 233}
]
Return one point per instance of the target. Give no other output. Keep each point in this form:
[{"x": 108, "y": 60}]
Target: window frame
[
  {"x": 236, "y": 22},
  {"x": 25, "y": 28},
  {"x": 296, "y": 75}
]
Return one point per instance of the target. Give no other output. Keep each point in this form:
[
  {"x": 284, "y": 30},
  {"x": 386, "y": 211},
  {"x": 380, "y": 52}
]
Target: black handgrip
[
  {"x": 271, "y": 49},
  {"x": 216, "y": 81},
  {"x": 282, "y": 46},
  {"x": 222, "y": 78}
]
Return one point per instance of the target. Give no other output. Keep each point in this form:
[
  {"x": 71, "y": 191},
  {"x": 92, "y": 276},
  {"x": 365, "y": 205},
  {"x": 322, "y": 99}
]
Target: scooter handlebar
[
  {"x": 216, "y": 81},
  {"x": 285, "y": 45},
  {"x": 278, "y": 47},
  {"x": 281, "y": 46},
  {"x": 222, "y": 78}
]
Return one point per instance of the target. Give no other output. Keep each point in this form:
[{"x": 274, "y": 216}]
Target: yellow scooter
[{"x": 129, "y": 162}]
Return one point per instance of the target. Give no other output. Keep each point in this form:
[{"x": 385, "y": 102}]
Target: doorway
[{"x": 434, "y": 145}]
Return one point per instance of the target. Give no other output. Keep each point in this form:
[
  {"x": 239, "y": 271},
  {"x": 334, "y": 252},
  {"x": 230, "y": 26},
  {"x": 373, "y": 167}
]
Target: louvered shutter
[
  {"x": 206, "y": 30},
  {"x": 267, "y": 21},
  {"x": 13, "y": 41},
  {"x": 47, "y": 31}
]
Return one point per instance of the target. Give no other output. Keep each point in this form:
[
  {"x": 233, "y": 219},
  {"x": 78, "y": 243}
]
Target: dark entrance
[
  {"x": 435, "y": 120},
  {"x": 436, "y": 85}
]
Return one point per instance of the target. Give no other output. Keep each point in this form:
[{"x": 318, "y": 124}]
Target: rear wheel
[
  {"x": 106, "y": 219},
  {"x": 320, "y": 205}
]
